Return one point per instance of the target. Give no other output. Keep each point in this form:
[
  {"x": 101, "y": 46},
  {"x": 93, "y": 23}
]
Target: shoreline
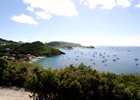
[{"x": 37, "y": 58}]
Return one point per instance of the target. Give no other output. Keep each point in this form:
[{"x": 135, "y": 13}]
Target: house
[{"x": 21, "y": 60}]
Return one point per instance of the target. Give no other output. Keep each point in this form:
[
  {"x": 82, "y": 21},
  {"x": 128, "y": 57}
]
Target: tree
[{"x": 3, "y": 66}]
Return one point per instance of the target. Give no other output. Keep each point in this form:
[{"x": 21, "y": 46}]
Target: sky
[{"x": 88, "y": 22}]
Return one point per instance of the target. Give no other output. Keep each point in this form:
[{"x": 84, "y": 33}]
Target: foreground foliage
[{"x": 70, "y": 83}]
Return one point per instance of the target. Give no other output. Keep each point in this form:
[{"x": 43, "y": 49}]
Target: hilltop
[
  {"x": 67, "y": 45},
  {"x": 26, "y": 51},
  {"x": 62, "y": 44},
  {"x": 4, "y": 42}
]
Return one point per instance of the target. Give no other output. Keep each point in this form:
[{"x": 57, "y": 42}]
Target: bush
[{"x": 70, "y": 83}]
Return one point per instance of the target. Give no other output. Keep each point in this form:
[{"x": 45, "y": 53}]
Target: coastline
[{"x": 36, "y": 58}]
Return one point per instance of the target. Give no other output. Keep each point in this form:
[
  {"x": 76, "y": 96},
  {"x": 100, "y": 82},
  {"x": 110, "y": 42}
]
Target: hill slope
[
  {"x": 3, "y": 41},
  {"x": 10, "y": 48},
  {"x": 63, "y": 44},
  {"x": 36, "y": 48}
]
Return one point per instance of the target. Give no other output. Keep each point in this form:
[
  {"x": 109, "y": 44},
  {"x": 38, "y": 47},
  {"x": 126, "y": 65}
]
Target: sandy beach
[
  {"x": 36, "y": 58},
  {"x": 13, "y": 93}
]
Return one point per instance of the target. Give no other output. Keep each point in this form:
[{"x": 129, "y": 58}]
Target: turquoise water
[{"x": 113, "y": 59}]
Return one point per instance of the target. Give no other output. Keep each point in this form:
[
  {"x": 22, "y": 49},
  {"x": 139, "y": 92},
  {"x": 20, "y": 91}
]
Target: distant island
[
  {"x": 67, "y": 45},
  {"x": 64, "y": 45},
  {"x": 91, "y": 47}
]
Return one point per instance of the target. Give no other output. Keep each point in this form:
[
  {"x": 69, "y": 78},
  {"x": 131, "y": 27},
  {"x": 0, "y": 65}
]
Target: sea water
[{"x": 109, "y": 59}]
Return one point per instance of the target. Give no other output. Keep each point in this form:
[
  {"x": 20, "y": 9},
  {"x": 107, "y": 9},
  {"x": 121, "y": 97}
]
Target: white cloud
[
  {"x": 30, "y": 9},
  {"x": 44, "y": 15},
  {"x": 22, "y": 18},
  {"x": 124, "y": 3},
  {"x": 52, "y": 7},
  {"x": 138, "y": 6},
  {"x": 106, "y": 4}
]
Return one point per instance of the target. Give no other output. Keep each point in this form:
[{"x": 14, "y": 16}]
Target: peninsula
[{"x": 25, "y": 52}]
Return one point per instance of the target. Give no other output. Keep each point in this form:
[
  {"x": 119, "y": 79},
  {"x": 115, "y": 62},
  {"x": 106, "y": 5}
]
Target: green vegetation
[
  {"x": 67, "y": 45},
  {"x": 6, "y": 50},
  {"x": 3, "y": 42},
  {"x": 63, "y": 44},
  {"x": 25, "y": 51},
  {"x": 91, "y": 47},
  {"x": 70, "y": 83},
  {"x": 37, "y": 49}
]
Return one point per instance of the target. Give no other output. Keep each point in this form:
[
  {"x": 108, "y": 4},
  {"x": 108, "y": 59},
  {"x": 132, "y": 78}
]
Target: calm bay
[{"x": 112, "y": 59}]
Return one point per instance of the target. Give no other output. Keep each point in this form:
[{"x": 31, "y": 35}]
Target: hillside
[
  {"x": 36, "y": 48},
  {"x": 63, "y": 44},
  {"x": 25, "y": 51},
  {"x": 3, "y": 41}
]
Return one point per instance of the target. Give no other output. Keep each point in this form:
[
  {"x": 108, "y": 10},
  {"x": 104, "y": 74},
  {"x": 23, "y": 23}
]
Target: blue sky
[{"x": 88, "y": 22}]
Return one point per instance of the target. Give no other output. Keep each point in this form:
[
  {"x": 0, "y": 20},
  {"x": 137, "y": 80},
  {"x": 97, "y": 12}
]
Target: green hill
[
  {"x": 63, "y": 44},
  {"x": 8, "y": 48},
  {"x": 36, "y": 48},
  {"x": 4, "y": 42}
]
